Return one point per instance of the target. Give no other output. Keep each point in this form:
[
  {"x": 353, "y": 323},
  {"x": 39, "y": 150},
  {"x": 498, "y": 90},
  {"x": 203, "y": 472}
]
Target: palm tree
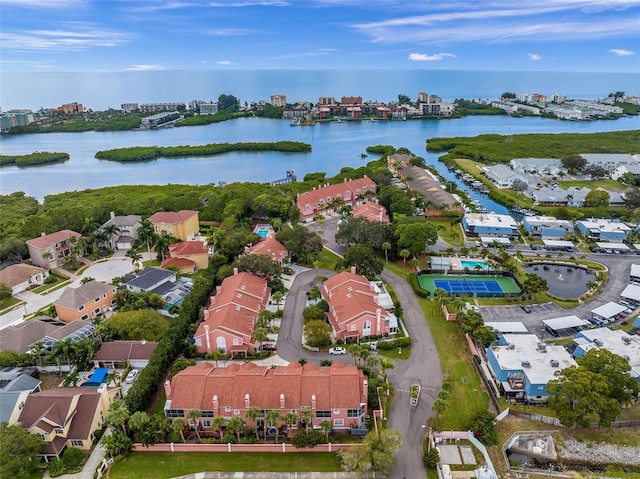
[
  {"x": 415, "y": 262},
  {"x": 65, "y": 348},
  {"x": 405, "y": 253},
  {"x": 89, "y": 226},
  {"x": 194, "y": 416},
  {"x": 47, "y": 256},
  {"x": 161, "y": 245},
  {"x": 146, "y": 234},
  {"x": 218, "y": 423},
  {"x": 354, "y": 351},
  {"x": 307, "y": 416},
  {"x": 111, "y": 231},
  {"x": 326, "y": 427},
  {"x": 439, "y": 405},
  {"x": 99, "y": 238},
  {"x": 271, "y": 419},
  {"x": 291, "y": 419},
  {"x": 138, "y": 422},
  {"x": 177, "y": 425},
  {"x": 135, "y": 257},
  {"x": 260, "y": 335},
  {"x": 277, "y": 298},
  {"x": 118, "y": 415},
  {"x": 386, "y": 246},
  {"x": 253, "y": 413},
  {"x": 235, "y": 426}
]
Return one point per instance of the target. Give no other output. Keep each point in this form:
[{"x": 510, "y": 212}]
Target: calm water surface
[
  {"x": 335, "y": 145},
  {"x": 563, "y": 281}
]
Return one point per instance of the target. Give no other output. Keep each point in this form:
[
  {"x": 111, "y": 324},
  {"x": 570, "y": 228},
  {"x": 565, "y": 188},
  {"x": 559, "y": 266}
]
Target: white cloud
[
  {"x": 228, "y": 32},
  {"x": 224, "y": 62},
  {"x": 51, "y": 4},
  {"x": 250, "y": 3},
  {"x": 77, "y": 37},
  {"x": 621, "y": 53},
  {"x": 313, "y": 53},
  {"x": 145, "y": 68},
  {"x": 534, "y": 56},
  {"x": 423, "y": 57}
]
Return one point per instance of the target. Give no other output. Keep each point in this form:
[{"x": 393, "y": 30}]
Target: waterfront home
[
  {"x": 85, "y": 302},
  {"x": 603, "y": 229},
  {"x": 538, "y": 166},
  {"x": 49, "y": 251},
  {"x": 187, "y": 256},
  {"x": 336, "y": 393},
  {"x": 21, "y": 276},
  {"x": 127, "y": 230},
  {"x": 271, "y": 247},
  {"x": 355, "y": 311},
  {"x": 521, "y": 366},
  {"x": 231, "y": 319},
  {"x": 545, "y": 227},
  {"x": 183, "y": 225},
  {"x": 573, "y": 197},
  {"x": 278, "y": 100},
  {"x": 66, "y": 417},
  {"x": 436, "y": 198},
  {"x": 610, "y": 161},
  {"x": 503, "y": 176},
  {"x": 489, "y": 224},
  {"x": 330, "y": 198},
  {"x": 23, "y": 337}
]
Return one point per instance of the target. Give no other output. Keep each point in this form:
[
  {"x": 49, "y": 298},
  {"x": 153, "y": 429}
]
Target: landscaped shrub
[
  {"x": 395, "y": 343},
  {"x": 413, "y": 279},
  {"x": 73, "y": 458},
  {"x": 311, "y": 438}
]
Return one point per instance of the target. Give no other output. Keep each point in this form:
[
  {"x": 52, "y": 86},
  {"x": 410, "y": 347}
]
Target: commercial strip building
[
  {"x": 490, "y": 224},
  {"x": 616, "y": 341}
]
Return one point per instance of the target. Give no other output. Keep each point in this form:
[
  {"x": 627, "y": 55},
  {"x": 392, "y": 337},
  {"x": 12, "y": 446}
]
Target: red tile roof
[
  {"x": 271, "y": 247},
  {"x": 19, "y": 273},
  {"x": 372, "y": 212},
  {"x": 172, "y": 217},
  {"x": 319, "y": 195},
  {"x": 179, "y": 262},
  {"x": 187, "y": 247},
  {"x": 46, "y": 241},
  {"x": 335, "y": 386}
]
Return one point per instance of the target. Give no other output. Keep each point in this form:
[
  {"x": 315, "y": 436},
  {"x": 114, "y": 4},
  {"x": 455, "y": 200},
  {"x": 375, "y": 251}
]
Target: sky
[{"x": 135, "y": 35}]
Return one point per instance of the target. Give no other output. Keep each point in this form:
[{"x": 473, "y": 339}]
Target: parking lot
[{"x": 532, "y": 321}]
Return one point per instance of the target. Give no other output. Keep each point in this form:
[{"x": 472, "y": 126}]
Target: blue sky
[{"x": 120, "y": 35}]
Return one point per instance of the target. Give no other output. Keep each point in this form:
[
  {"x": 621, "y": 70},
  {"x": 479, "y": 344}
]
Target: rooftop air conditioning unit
[
  {"x": 542, "y": 346},
  {"x": 511, "y": 346},
  {"x": 598, "y": 342},
  {"x": 554, "y": 363},
  {"x": 526, "y": 364},
  {"x": 626, "y": 339}
]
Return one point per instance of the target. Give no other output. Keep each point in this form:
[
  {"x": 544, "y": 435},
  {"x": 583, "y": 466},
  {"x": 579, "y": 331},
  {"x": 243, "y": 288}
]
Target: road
[{"x": 422, "y": 368}]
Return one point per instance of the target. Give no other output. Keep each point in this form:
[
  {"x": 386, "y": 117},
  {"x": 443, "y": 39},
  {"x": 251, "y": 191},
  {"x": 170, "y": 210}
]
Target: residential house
[
  {"x": 183, "y": 225},
  {"x": 354, "y": 309},
  {"x": 15, "y": 385},
  {"x": 538, "y": 166},
  {"x": 49, "y": 251},
  {"x": 271, "y": 247},
  {"x": 522, "y": 366},
  {"x": 127, "y": 230},
  {"x": 86, "y": 301},
  {"x": 22, "y": 337},
  {"x": 336, "y": 393},
  {"x": 616, "y": 341},
  {"x": 20, "y": 277},
  {"x": 161, "y": 282},
  {"x": 187, "y": 256},
  {"x": 371, "y": 211},
  {"x": 573, "y": 197},
  {"x": 489, "y": 224},
  {"x": 136, "y": 353},
  {"x": 503, "y": 176},
  {"x": 279, "y": 100},
  {"x": 398, "y": 161},
  {"x": 436, "y": 198},
  {"x": 609, "y": 161},
  {"x": 66, "y": 417},
  {"x": 329, "y": 198},
  {"x": 603, "y": 229},
  {"x": 547, "y": 227},
  {"x": 230, "y": 321}
]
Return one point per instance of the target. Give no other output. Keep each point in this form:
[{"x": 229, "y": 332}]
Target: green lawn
[
  {"x": 449, "y": 231},
  {"x": 160, "y": 465},
  {"x": 9, "y": 302},
  {"x": 327, "y": 259},
  {"x": 467, "y": 398},
  {"x": 609, "y": 184}
]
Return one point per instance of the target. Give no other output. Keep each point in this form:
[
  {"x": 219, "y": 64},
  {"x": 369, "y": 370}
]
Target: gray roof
[
  {"x": 128, "y": 220},
  {"x": 148, "y": 277},
  {"x": 73, "y": 298},
  {"x": 21, "y": 337},
  {"x": 14, "y": 382}
]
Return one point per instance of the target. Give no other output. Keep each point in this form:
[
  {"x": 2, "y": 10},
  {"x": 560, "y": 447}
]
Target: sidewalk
[{"x": 89, "y": 468}]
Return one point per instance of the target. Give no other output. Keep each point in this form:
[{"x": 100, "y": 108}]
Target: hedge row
[
  {"x": 171, "y": 344},
  {"x": 395, "y": 343}
]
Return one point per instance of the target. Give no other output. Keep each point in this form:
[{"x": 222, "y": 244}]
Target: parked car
[
  {"x": 133, "y": 374},
  {"x": 337, "y": 350},
  {"x": 269, "y": 347},
  {"x": 526, "y": 308}
]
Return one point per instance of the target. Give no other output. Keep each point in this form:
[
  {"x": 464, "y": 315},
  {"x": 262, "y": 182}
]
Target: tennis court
[{"x": 471, "y": 285}]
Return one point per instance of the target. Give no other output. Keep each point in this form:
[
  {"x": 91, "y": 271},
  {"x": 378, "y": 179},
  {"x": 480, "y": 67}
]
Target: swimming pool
[
  {"x": 467, "y": 264},
  {"x": 262, "y": 233}
]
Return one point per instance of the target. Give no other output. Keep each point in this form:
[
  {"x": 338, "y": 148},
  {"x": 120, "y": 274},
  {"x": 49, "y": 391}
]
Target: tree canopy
[
  {"x": 18, "y": 451},
  {"x": 364, "y": 259},
  {"x": 416, "y": 236},
  {"x": 376, "y": 453}
]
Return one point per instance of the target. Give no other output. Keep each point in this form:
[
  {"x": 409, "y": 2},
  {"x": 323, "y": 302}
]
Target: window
[
  {"x": 59, "y": 430},
  {"x": 206, "y": 413},
  {"x": 227, "y": 409},
  {"x": 236, "y": 412},
  {"x": 198, "y": 342},
  {"x": 353, "y": 413},
  {"x": 41, "y": 436},
  {"x": 236, "y": 341},
  {"x": 76, "y": 442},
  {"x": 86, "y": 316},
  {"x": 323, "y": 413},
  {"x": 174, "y": 413},
  {"x": 81, "y": 308},
  {"x": 96, "y": 311},
  {"x": 338, "y": 422},
  {"x": 206, "y": 423},
  {"x": 336, "y": 411},
  {"x": 97, "y": 300}
]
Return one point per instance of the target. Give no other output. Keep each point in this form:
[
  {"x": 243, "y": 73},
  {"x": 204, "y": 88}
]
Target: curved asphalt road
[{"x": 423, "y": 367}]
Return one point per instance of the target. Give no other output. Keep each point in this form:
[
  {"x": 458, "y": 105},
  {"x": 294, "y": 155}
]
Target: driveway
[{"x": 423, "y": 367}]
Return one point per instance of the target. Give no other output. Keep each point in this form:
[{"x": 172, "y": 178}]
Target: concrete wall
[{"x": 180, "y": 447}]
